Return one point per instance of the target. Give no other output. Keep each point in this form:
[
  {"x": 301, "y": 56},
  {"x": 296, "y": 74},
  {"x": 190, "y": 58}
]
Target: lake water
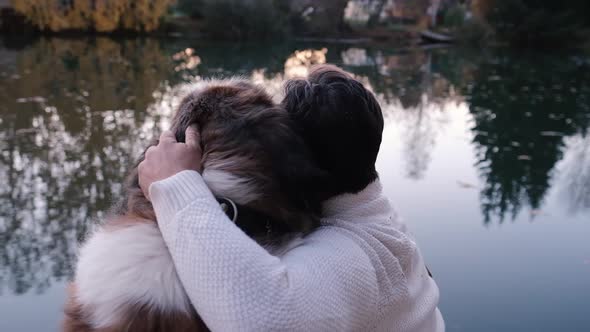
[{"x": 486, "y": 155}]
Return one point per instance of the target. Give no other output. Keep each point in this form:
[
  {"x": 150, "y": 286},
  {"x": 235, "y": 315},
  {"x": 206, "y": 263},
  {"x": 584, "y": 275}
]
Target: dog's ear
[
  {"x": 195, "y": 108},
  {"x": 185, "y": 115}
]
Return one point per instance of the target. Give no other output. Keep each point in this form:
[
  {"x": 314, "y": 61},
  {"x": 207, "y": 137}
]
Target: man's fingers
[
  {"x": 193, "y": 137},
  {"x": 167, "y": 137}
]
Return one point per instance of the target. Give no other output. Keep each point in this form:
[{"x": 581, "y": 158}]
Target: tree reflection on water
[
  {"x": 522, "y": 113},
  {"x": 577, "y": 173},
  {"x": 75, "y": 113},
  {"x": 73, "y": 120}
]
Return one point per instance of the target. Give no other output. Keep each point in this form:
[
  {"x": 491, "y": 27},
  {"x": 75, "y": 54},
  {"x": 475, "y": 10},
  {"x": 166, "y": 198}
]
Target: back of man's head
[{"x": 342, "y": 124}]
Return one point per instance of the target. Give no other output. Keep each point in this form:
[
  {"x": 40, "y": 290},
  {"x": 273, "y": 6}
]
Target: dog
[{"x": 257, "y": 166}]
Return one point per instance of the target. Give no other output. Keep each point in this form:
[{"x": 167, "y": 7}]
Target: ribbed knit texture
[{"x": 359, "y": 271}]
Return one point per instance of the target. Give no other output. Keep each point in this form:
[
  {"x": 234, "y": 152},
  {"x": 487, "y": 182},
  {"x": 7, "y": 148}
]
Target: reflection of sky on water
[
  {"x": 528, "y": 275},
  {"x": 470, "y": 140},
  {"x": 576, "y": 173}
]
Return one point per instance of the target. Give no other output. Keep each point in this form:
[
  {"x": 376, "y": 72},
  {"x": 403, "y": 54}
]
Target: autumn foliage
[{"x": 98, "y": 15}]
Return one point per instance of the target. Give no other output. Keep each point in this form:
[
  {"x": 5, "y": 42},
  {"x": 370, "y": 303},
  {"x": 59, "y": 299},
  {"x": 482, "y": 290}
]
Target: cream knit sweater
[{"x": 360, "y": 271}]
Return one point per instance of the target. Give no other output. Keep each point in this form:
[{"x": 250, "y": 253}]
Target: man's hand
[{"x": 170, "y": 157}]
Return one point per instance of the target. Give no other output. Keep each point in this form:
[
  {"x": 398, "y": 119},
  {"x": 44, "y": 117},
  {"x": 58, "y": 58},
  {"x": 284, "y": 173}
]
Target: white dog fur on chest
[
  {"x": 127, "y": 266},
  {"x": 132, "y": 266}
]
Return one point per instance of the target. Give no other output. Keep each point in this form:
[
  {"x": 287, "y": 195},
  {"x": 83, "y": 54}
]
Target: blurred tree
[
  {"x": 102, "y": 16},
  {"x": 536, "y": 23},
  {"x": 413, "y": 10},
  {"x": 239, "y": 19},
  {"x": 375, "y": 14},
  {"x": 192, "y": 8},
  {"x": 318, "y": 18}
]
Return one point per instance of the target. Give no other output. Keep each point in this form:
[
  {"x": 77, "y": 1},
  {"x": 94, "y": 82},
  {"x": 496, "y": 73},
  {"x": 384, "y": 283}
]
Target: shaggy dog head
[{"x": 251, "y": 155}]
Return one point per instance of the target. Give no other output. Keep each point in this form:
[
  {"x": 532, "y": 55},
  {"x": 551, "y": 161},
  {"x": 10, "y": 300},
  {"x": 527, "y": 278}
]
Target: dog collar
[
  {"x": 229, "y": 208},
  {"x": 256, "y": 224}
]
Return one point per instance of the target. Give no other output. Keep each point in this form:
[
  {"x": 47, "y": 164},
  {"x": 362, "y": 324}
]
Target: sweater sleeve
[{"x": 327, "y": 283}]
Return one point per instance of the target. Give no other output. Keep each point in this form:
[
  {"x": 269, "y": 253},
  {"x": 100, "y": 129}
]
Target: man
[{"x": 359, "y": 271}]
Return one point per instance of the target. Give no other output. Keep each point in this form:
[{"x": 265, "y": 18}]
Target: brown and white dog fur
[{"x": 125, "y": 279}]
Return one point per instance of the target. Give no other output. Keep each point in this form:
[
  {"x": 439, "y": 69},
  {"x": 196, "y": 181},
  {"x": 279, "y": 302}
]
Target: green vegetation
[
  {"x": 539, "y": 23},
  {"x": 454, "y": 17},
  {"x": 518, "y": 23},
  {"x": 100, "y": 16},
  {"x": 237, "y": 19},
  {"x": 467, "y": 29}
]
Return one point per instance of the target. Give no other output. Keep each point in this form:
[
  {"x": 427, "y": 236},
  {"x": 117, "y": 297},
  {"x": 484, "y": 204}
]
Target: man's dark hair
[{"x": 342, "y": 124}]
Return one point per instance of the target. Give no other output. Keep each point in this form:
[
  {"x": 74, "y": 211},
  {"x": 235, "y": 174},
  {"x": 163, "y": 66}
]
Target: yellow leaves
[
  {"x": 98, "y": 15},
  {"x": 106, "y": 15},
  {"x": 147, "y": 14},
  {"x": 298, "y": 64},
  {"x": 77, "y": 16},
  {"x": 40, "y": 12}
]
